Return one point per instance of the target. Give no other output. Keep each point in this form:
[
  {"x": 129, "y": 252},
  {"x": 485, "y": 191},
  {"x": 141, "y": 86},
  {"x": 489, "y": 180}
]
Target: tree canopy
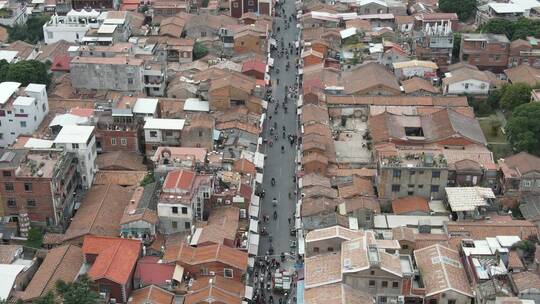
[
  {"x": 513, "y": 95},
  {"x": 199, "y": 51},
  {"x": 35, "y": 238},
  {"x": 523, "y": 128},
  {"x": 77, "y": 292},
  {"x": 465, "y": 9},
  {"x": 31, "y": 32},
  {"x": 25, "y": 72},
  {"x": 519, "y": 29}
]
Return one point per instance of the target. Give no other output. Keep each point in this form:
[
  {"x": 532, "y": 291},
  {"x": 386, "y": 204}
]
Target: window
[
  {"x": 123, "y": 141},
  {"x": 228, "y": 273},
  {"x": 371, "y": 283},
  {"x": 1, "y": 135},
  {"x": 50, "y": 35},
  {"x": 250, "y": 2},
  {"x": 315, "y": 249},
  {"x": 31, "y": 202},
  {"x": 22, "y": 110},
  {"x": 330, "y": 249},
  {"x": 75, "y": 146},
  {"x": 410, "y": 185},
  {"x": 184, "y": 210},
  {"x": 168, "y": 133},
  {"x": 8, "y": 187},
  {"x": 395, "y": 284},
  {"x": 420, "y": 186},
  {"x": 384, "y": 284},
  {"x": 153, "y": 133},
  {"x": 23, "y": 124},
  {"x": 382, "y": 299},
  {"x": 130, "y": 80},
  {"x": 200, "y": 133},
  {"x": 44, "y": 107},
  {"x": 396, "y": 188},
  {"x": 527, "y": 183},
  {"x": 451, "y": 301},
  {"x": 174, "y": 224},
  {"x": 466, "y": 86},
  {"x": 396, "y": 173},
  {"x": 28, "y": 187},
  {"x": 235, "y": 4},
  {"x": 11, "y": 203},
  {"x": 483, "y": 44},
  {"x": 436, "y": 174},
  {"x": 372, "y": 272},
  {"x": 187, "y": 225},
  {"x": 113, "y": 141},
  {"x": 412, "y": 172},
  {"x": 410, "y": 193},
  {"x": 6, "y": 173},
  {"x": 174, "y": 210},
  {"x": 434, "y": 188},
  {"x": 203, "y": 34},
  {"x": 405, "y": 247}
]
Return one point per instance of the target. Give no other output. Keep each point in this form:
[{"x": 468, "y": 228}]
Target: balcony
[{"x": 420, "y": 160}]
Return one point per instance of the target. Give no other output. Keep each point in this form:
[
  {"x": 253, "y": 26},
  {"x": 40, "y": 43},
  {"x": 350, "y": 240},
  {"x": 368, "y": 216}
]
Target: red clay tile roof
[
  {"x": 151, "y": 295},
  {"x": 211, "y": 253},
  {"x": 219, "y": 290},
  {"x": 416, "y": 84},
  {"x": 222, "y": 225},
  {"x": 179, "y": 179},
  {"x": 61, "y": 63},
  {"x": 116, "y": 257},
  {"x": 149, "y": 271},
  {"x": 61, "y": 263},
  {"x": 244, "y": 166},
  {"x": 410, "y": 204},
  {"x": 255, "y": 65}
]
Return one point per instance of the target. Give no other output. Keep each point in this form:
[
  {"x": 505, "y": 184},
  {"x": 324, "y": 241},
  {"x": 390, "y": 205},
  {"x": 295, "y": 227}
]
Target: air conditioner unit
[
  {"x": 212, "y": 273},
  {"x": 400, "y": 299}
]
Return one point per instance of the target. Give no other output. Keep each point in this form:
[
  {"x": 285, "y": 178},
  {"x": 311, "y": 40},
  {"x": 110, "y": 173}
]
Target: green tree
[
  {"x": 457, "y": 45},
  {"x": 199, "y": 51},
  {"x": 25, "y": 72},
  {"x": 31, "y": 32},
  {"x": 35, "y": 238},
  {"x": 48, "y": 298},
  {"x": 523, "y": 127},
  {"x": 493, "y": 99},
  {"x": 514, "y": 95},
  {"x": 519, "y": 29},
  {"x": 78, "y": 292},
  {"x": 465, "y": 9}
]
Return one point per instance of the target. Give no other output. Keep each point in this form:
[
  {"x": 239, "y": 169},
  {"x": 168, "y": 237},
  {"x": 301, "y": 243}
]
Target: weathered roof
[
  {"x": 416, "y": 84},
  {"x": 151, "y": 295},
  {"x": 410, "y": 204},
  {"x": 468, "y": 198},
  {"x": 523, "y": 73},
  {"x": 441, "y": 270},
  {"x": 61, "y": 263},
  {"x": 100, "y": 212},
  {"x": 367, "y": 77},
  {"x": 338, "y": 293}
]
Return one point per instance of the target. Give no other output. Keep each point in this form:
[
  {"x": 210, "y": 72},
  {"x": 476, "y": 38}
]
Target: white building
[
  {"x": 71, "y": 28},
  {"x": 182, "y": 200},
  {"x": 466, "y": 81},
  {"x": 162, "y": 132},
  {"x": 15, "y": 13},
  {"x": 81, "y": 141},
  {"x": 21, "y": 111}
]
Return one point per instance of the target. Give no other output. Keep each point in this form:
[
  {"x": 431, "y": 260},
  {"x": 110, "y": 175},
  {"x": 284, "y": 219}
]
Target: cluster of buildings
[
  {"x": 402, "y": 200},
  {"x": 140, "y": 163}
]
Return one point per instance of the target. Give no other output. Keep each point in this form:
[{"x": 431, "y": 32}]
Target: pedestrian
[{"x": 289, "y": 221}]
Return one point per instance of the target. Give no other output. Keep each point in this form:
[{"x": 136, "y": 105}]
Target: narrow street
[{"x": 280, "y": 164}]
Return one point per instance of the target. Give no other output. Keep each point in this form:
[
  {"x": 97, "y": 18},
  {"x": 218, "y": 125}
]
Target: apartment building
[
  {"x": 524, "y": 52},
  {"x": 182, "y": 200},
  {"x": 416, "y": 153},
  {"x": 72, "y": 27},
  {"x": 433, "y": 37},
  {"x": 21, "y": 110},
  {"x": 519, "y": 174},
  {"x": 486, "y": 51},
  {"x": 119, "y": 73},
  {"x": 162, "y": 132},
  {"x": 41, "y": 182},
  {"x": 81, "y": 141}
]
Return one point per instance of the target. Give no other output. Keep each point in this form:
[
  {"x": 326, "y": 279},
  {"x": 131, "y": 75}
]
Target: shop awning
[
  {"x": 255, "y": 200},
  {"x": 254, "y": 226},
  {"x": 178, "y": 273},
  {"x": 248, "y": 294},
  {"x": 254, "y": 211},
  {"x": 258, "y": 160},
  {"x": 259, "y": 178}
]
